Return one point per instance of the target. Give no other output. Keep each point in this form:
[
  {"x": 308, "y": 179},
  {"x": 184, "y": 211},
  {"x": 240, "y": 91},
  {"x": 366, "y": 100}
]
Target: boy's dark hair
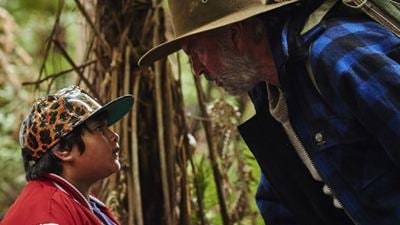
[{"x": 49, "y": 163}]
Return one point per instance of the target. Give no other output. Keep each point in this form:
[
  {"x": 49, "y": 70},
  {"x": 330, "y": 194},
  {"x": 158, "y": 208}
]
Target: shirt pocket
[{"x": 352, "y": 152}]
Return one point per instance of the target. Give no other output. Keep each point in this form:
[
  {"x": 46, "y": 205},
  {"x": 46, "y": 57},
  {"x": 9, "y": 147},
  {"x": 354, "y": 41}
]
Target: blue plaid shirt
[{"x": 350, "y": 127}]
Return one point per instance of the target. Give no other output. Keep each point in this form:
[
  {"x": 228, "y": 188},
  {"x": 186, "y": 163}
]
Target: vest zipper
[
  {"x": 323, "y": 180},
  {"x": 312, "y": 77}
]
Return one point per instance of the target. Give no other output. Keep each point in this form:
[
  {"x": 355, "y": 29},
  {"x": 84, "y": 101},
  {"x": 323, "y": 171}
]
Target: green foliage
[
  {"x": 239, "y": 169},
  {"x": 12, "y": 174},
  {"x": 31, "y": 34},
  {"x": 34, "y": 31},
  {"x": 239, "y": 191},
  {"x": 14, "y": 63},
  {"x": 22, "y": 41}
]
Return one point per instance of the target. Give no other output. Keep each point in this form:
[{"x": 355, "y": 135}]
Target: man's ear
[
  {"x": 63, "y": 154},
  {"x": 237, "y": 35}
]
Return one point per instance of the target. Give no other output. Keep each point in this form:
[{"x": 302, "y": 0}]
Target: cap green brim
[{"x": 115, "y": 109}]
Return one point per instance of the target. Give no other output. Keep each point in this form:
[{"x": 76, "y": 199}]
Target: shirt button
[{"x": 319, "y": 138}]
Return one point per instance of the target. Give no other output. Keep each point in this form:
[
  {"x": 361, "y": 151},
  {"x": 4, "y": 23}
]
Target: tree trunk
[
  {"x": 159, "y": 170},
  {"x": 145, "y": 190}
]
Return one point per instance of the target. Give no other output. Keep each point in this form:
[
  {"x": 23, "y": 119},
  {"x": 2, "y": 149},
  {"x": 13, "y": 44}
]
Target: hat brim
[
  {"x": 115, "y": 109},
  {"x": 175, "y": 44}
]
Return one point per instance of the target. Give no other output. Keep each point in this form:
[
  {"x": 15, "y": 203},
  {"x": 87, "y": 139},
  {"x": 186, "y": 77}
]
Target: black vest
[{"x": 282, "y": 167}]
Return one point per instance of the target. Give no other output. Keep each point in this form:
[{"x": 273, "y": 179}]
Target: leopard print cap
[{"x": 53, "y": 117}]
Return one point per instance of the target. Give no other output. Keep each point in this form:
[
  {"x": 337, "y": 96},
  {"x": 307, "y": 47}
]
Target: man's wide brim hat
[{"x": 190, "y": 17}]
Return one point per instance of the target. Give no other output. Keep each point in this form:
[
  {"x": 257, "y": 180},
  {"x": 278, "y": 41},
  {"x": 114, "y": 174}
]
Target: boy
[{"x": 66, "y": 147}]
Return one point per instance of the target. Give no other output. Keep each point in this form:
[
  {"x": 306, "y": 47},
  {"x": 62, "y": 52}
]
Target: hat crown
[
  {"x": 188, "y": 15},
  {"x": 53, "y": 117}
]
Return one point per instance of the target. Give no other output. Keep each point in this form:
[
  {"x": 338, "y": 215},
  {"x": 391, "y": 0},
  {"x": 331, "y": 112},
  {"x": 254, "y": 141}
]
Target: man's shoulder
[
  {"x": 356, "y": 27},
  {"x": 347, "y": 34},
  {"x": 345, "y": 41}
]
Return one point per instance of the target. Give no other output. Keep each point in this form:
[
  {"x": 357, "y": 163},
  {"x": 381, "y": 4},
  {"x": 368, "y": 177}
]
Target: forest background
[{"x": 181, "y": 143}]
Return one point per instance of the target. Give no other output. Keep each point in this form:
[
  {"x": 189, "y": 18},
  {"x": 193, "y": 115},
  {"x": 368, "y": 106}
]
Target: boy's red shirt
[{"x": 53, "y": 201}]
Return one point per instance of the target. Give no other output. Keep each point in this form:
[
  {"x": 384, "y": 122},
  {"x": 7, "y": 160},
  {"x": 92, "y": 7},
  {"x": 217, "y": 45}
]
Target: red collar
[{"x": 69, "y": 189}]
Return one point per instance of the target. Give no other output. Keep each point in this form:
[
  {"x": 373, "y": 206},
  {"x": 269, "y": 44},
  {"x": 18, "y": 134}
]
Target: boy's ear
[{"x": 63, "y": 154}]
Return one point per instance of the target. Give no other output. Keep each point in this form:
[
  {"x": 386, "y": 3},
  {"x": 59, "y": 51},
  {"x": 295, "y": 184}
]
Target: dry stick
[
  {"x": 117, "y": 22},
  {"x": 114, "y": 78},
  {"x": 126, "y": 88},
  {"x": 171, "y": 149},
  {"x": 50, "y": 38},
  {"x": 91, "y": 24},
  {"x": 114, "y": 85},
  {"x": 213, "y": 154},
  {"x": 55, "y": 75},
  {"x": 124, "y": 39},
  {"x": 186, "y": 215},
  {"x": 88, "y": 50},
  {"x": 134, "y": 155},
  {"x": 160, "y": 123},
  {"x": 185, "y": 193},
  {"x": 147, "y": 25},
  {"x": 200, "y": 211},
  {"x": 117, "y": 126},
  {"x": 161, "y": 144},
  {"x": 130, "y": 177},
  {"x": 77, "y": 70},
  {"x": 125, "y": 121}
]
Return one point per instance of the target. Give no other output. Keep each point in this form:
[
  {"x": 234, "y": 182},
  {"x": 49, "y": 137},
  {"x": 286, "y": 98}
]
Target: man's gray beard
[{"x": 238, "y": 73}]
